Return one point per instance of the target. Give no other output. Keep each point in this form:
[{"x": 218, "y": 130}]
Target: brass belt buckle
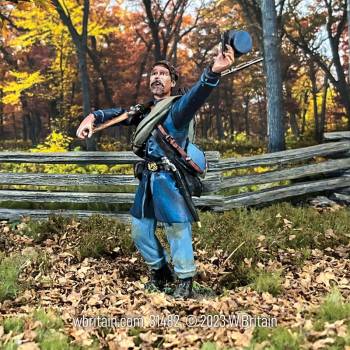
[{"x": 152, "y": 166}]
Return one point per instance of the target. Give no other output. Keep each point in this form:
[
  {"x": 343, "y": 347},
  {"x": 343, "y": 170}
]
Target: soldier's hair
[{"x": 172, "y": 70}]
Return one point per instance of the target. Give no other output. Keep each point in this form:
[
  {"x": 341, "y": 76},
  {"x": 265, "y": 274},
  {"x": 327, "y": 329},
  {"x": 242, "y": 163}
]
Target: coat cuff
[
  {"x": 99, "y": 116},
  {"x": 210, "y": 78},
  {"x": 102, "y": 115}
]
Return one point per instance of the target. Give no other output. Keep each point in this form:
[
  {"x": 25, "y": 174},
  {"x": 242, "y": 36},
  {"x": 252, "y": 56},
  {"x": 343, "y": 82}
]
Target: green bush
[
  {"x": 101, "y": 235},
  {"x": 334, "y": 308},
  {"x": 10, "y": 268},
  {"x": 41, "y": 230},
  {"x": 278, "y": 338},
  {"x": 53, "y": 340},
  {"x": 264, "y": 281},
  {"x": 14, "y": 324}
]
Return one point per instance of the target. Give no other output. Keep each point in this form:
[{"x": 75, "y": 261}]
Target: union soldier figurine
[{"x": 158, "y": 198}]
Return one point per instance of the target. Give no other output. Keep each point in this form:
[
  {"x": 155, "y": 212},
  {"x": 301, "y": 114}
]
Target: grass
[
  {"x": 95, "y": 236},
  {"x": 253, "y": 234},
  {"x": 10, "y": 268},
  {"x": 259, "y": 234},
  {"x": 270, "y": 282},
  {"x": 100, "y": 236},
  {"x": 278, "y": 338},
  {"x": 54, "y": 340},
  {"x": 49, "y": 335},
  {"x": 48, "y": 319},
  {"x": 211, "y": 346},
  {"x": 41, "y": 230},
  {"x": 14, "y": 324},
  {"x": 334, "y": 308}
]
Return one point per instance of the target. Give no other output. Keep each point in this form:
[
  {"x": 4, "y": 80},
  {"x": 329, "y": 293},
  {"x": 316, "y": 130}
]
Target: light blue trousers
[{"x": 179, "y": 236}]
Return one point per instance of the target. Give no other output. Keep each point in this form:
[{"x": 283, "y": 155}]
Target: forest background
[{"x": 63, "y": 59}]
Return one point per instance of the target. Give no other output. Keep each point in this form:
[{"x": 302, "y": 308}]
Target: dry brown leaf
[
  {"x": 243, "y": 339},
  {"x": 322, "y": 343},
  {"x": 28, "y": 346},
  {"x": 148, "y": 337},
  {"x": 94, "y": 300},
  {"x": 325, "y": 278},
  {"x": 29, "y": 335}
]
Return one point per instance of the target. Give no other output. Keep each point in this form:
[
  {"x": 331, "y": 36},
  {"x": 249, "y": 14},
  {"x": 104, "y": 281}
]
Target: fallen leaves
[{"x": 114, "y": 287}]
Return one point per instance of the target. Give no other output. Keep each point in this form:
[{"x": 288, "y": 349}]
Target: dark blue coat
[{"x": 157, "y": 195}]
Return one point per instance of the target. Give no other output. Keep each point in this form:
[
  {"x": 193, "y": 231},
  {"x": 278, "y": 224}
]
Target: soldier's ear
[{"x": 173, "y": 83}]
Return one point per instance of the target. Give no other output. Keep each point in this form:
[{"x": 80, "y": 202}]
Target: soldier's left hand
[{"x": 223, "y": 61}]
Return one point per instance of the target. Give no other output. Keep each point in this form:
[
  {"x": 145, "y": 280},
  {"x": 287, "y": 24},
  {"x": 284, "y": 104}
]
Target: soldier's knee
[{"x": 178, "y": 230}]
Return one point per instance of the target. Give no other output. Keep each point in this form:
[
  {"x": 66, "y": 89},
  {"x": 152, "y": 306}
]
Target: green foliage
[
  {"x": 11, "y": 345},
  {"x": 59, "y": 142},
  {"x": 211, "y": 346},
  {"x": 334, "y": 308},
  {"x": 208, "y": 346},
  {"x": 237, "y": 146},
  {"x": 265, "y": 281},
  {"x": 10, "y": 268},
  {"x": 306, "y": 140},
  {"x": 278, "y": 338},
  {"x": 41, "y": 230},
  {"x": 242, "y": 232},
  {"x": 14, "y": 324},
  {"x": 15, "y": 145},
  {"x": 100, "y": 236},
  {"x": 48, "y": 319},
  {"x": 53, "y": 340}
]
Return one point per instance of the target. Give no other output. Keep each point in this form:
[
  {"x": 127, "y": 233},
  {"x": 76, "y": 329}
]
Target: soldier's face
[{"x": 160, "y": 82}]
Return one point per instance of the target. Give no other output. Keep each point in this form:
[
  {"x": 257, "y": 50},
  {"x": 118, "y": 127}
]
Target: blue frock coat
[{"x": 157, "y": 195}]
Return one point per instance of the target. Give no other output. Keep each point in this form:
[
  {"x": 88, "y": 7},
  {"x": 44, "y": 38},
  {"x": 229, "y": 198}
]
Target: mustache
[{"x": 157, "y": 82}]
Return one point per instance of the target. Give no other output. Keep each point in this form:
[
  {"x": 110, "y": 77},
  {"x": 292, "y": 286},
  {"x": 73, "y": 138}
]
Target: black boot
[
  {"x": 159, "y": 279},
  {"x": 184, "y": 288}
]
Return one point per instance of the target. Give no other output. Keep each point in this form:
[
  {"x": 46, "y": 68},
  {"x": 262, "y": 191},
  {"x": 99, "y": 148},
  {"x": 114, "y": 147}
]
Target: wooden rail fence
[{"x": 330, "y": 172}]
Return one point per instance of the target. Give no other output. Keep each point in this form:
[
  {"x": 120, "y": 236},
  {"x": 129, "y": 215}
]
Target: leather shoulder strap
[
  {"x": 179, "y": 149},
  {"x": 145, "y": 127}
]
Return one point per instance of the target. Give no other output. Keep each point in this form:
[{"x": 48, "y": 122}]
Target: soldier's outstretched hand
[
  {"x": 86, "y": 127},
  {"x": 223, "y": 61}
]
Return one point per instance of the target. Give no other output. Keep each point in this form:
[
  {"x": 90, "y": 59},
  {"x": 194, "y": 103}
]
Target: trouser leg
[
  {"x": 180, "y": 240},
  {"x": 143, "y": 234}
]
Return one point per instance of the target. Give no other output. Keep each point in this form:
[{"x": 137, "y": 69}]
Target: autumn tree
[{"x": 304, "y": 29}]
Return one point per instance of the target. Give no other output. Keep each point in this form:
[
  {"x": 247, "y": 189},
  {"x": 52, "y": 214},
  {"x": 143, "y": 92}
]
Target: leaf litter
[{"x": 113, "y": 287}]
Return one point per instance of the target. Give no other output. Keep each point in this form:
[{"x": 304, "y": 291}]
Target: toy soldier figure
[{"x": 158, "y": 198}]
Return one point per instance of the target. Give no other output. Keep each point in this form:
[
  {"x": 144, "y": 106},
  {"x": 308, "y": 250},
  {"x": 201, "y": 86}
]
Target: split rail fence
[{"x": 310, "y": 170}]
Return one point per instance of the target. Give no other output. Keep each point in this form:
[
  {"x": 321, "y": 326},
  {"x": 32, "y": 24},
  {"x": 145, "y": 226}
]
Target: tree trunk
[
  {"x": 80, "y": 42},
  {"x": 246, "y": 114},
  {"x": 262, "y": 114},
  {"x": 154, "y": 27},
  {"x": 323, "y": 110},
  {"x": 292, "y": 114},
  {"x": 306, "y": 100},
  {"x": 218, "y": 116},
  {"x": 96, "y": 62},
  {"x": 315, "y": 107},
  {"x": 14, "y": 126},
  {"x": 273, "y": 77}
]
